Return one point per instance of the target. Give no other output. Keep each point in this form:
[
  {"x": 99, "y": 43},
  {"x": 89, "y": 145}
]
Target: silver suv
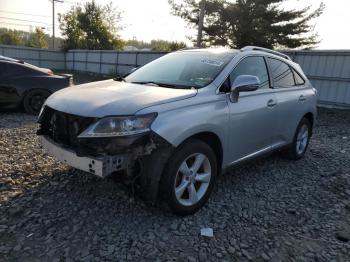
[{"x": 173, "y": 125}]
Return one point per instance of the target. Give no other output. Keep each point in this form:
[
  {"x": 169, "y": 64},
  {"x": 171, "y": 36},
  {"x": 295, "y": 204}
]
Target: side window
[
  {"x": 281, "y": 73},
  {"x": 298, "y": 79},
  {"x": 254, "y": 65}
]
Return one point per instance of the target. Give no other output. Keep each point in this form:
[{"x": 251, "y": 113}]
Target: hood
[{"x": 109, "y": 97}]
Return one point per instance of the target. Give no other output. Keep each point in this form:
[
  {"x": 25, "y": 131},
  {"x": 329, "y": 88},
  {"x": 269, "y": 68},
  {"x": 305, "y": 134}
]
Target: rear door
[
  {"x": 292, "y": 95},
  {"x": 251, "y": 121}
]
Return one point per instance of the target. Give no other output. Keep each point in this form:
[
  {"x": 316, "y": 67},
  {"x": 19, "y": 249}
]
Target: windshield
[{"x": 183, "y": 69}]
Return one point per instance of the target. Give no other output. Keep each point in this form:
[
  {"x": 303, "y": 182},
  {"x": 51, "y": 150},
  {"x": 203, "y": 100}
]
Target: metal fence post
[
  {"x": 116, "y": 63},
  {"x": 137, "y": 54},
  {"x": 73, "y": 60},
  {"x": 99, "y": 70},
  {"x": 65, "y": 59},
  {"x": 39, "y": 57},
  {"x": 86, "y": 61}
]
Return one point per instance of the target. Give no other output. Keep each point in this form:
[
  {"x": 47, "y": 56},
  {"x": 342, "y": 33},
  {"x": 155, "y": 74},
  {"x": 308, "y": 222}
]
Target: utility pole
[
  {"x": 53, "y": 21},
  {"x": 200, "y": 23}
]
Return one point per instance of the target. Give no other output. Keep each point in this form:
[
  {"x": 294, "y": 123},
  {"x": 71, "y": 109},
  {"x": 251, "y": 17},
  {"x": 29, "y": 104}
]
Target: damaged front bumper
[
  {"x": 101, "y": 156},
  {"x": 99, "y": 165}
]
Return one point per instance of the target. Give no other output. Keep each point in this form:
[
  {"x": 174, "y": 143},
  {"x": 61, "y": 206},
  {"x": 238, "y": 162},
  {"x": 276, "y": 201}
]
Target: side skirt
[{"x": 260, "y": 153}]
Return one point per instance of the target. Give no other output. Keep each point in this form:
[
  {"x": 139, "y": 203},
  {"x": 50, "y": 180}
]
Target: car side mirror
[{"x": 243, "y": 83}]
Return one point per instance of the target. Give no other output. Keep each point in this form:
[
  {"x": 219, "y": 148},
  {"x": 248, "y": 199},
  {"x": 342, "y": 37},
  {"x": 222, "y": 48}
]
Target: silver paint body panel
[{"x": 247, "y": 128}]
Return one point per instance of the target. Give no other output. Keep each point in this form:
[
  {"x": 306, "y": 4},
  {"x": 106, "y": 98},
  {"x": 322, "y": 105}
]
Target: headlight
[{"x": 119, "y": 126}]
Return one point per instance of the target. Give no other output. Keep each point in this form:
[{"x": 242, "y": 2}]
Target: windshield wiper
[
  {"x": 146, "y": 83},
  {"x": 160, "y": 84},
  {"x": 119, "y": 79}
]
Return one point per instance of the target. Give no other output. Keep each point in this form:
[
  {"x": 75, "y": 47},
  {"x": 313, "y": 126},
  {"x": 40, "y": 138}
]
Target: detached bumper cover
[{"x": 100, "y": 166}]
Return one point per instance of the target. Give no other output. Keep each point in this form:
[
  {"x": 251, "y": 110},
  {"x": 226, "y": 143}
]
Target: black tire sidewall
[
  {"x": 292, "y": 150},
  {"x": 168, "y": 179},
  {"x": 26, "y": 101}
]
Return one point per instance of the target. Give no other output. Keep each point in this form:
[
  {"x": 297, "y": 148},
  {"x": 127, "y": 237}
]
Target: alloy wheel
[
  {"x": 302, "y": 139},
  {"x": 192, "y": 179}
]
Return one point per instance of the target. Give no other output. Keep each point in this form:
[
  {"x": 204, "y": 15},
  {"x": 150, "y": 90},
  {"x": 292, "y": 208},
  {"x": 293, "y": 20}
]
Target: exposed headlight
[{"x": 119, "y": 126}]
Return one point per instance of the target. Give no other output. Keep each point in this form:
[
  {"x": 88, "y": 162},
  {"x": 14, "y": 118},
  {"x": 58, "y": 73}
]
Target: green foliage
[
  {"x": 26, "y": 37},
  {"x": 11, "y": 37},
  {"x": 38, "y": 39},
  {"x": 157, "y": 45},
  {"x": 91, "y": 27},
  {"x": 252, "y": 22}
]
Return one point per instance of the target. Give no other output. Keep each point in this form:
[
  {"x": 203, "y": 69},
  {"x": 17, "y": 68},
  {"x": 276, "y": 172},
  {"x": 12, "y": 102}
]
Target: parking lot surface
[{"x": 268, "y": 210}]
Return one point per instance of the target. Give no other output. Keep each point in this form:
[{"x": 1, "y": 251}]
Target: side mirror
[{"x": 243, "y": 83}]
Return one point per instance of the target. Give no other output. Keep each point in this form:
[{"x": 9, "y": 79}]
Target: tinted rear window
[
  {"x": 281, "y": 73},
  {"x": 298, "y": 79}
]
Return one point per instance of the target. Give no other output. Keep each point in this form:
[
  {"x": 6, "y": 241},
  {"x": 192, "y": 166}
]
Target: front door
[{"x": 252, "y": 118}]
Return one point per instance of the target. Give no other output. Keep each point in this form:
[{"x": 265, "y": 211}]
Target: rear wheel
[
  {"x": 189, "y": 177},
  {"x": 301, "y": 140},
  {"x": 34, "y": 100}
]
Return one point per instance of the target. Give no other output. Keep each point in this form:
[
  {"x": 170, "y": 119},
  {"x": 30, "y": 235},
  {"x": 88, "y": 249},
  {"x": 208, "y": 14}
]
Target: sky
[{"x": 151, "y": 19}]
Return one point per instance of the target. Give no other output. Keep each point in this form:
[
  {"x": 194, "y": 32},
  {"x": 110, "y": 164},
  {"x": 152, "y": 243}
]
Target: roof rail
[{"x": 256, "y": 48}]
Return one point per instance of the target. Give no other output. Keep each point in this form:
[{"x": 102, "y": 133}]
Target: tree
[
  {"x": 157, "y": 45},
  {"x": 166, "y": 46},
  {"x": 91, "y": 27},
  {"x": 11, "y": 37},
  {"x": 190, "y": 11},
  {"x": 252, "y": 22},
  {"x": 38, "y": 39}
]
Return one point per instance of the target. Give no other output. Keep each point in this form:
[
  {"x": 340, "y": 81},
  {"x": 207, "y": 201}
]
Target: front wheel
[
  {"x": 189, "y": 177},
  {"x": 301, "y": 140}
]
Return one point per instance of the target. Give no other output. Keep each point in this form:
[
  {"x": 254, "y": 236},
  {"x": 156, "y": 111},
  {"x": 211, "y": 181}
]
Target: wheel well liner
[{"x": 309, "y": 116}]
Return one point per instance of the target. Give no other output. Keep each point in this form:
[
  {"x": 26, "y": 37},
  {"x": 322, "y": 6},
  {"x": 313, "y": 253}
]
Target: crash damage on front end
[{"x": 86, "y": 143}]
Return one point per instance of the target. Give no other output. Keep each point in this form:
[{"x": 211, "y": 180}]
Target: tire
[
  {"x": 298, "y": 147},
  {"x": 34, "y": 100},
  {"x": 196, "y": 187}
]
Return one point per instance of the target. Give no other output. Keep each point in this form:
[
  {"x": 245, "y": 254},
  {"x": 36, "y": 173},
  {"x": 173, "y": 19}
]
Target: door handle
[
  {"x": 302, "y": 98},
  {"x": 271, "y": 103}
]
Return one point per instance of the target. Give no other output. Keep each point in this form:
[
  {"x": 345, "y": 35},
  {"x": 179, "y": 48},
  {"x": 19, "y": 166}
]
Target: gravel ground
[{"x": 269, "y": 210}]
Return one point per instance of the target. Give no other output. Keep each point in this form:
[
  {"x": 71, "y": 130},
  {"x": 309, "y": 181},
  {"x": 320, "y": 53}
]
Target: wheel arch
[
  {"x": 310, "y": 116},
  {"x": 212, "y": 140}
]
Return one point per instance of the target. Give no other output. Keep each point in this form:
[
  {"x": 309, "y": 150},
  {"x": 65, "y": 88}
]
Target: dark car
[{"x": 23, "y": 84}]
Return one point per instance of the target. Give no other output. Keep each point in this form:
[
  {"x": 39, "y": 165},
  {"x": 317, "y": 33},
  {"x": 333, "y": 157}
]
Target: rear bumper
[{"x": 100, "y": 166}]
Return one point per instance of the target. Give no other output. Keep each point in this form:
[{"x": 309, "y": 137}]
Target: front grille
[{"x": 63, "y": 128}]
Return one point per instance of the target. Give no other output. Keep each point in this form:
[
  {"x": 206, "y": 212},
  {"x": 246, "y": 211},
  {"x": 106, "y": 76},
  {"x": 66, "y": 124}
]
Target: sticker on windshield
[{"x": 212, "y": 62}]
